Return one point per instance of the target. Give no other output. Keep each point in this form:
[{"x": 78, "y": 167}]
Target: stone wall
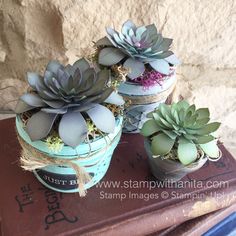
[{"x": 34, "y": 31}]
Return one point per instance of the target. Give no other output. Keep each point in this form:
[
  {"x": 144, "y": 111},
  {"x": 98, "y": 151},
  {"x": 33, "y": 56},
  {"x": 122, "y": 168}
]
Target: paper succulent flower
[
  {"x": 68, "y": 94},
  {"x": 135, "y": 48},
  {"x": 183, "y": 127}
]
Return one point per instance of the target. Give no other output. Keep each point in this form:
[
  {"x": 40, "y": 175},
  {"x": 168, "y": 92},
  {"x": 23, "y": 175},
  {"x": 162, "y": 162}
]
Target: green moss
[{"x": 54, "y": 143}]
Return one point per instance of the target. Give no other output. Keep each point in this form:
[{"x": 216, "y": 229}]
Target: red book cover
[
  {"x": 199, "y": 225},
  {"x": 127, "y": 201}
]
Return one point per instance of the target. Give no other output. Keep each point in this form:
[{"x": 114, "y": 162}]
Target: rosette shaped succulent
[
  {"x": 68, "y": 95},
  {"x": 180, "y": 126},
  {"x": 135, "y": 48}
]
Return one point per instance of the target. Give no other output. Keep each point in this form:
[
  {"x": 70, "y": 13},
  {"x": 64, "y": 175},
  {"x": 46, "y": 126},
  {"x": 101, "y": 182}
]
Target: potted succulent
[
  {"x": 61, "y": 128},
  {"x": 179, "y": 139},
  {"x": 144, "y": 56}
]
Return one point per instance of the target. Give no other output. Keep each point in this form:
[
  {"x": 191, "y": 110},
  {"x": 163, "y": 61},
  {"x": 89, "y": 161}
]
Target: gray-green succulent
[
  {"x": 135, "y": 48},
  {"x": 183, "y": 127},
  {"x": 68, "y": 95}
]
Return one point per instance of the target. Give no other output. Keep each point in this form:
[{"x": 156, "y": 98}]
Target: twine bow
[
  {"x": 32, "y": 159},
  {"x": 147, "y": 99}
]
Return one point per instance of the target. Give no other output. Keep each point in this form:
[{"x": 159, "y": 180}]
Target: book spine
[{"x": 163, "y": 218}]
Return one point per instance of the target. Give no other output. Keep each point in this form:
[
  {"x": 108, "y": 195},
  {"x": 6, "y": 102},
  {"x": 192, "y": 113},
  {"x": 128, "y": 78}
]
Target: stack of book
[{"x": 128, "y": 200}]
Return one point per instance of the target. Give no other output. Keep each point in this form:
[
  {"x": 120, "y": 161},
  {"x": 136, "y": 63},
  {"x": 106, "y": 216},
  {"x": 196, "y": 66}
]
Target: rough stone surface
[
  {"x": 34, "y": 31},
  {"x": 216, "y": 89}
]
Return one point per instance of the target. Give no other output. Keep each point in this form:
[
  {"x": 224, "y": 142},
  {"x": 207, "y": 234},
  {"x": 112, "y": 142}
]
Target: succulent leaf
[
  {"x": 150, "y": 114},
  {"x": 201, "y": 122},
  {"x": 32, "y": 100},
  {"x": 110, "y": 56},
  {"x": 53, "y": 66},
  {"x": 149, "y": 128},
  {"x": 163, "y": 55},
  {"x": 104, "y": 95},
  {"x": 127, "y": 26},
  {"x": 73, "y": 128},
  {"x": 53, "y": 110},
  {"x": 189, "y": 136},
  {"x": 203, "y": 113},
  {"x": 55, "y": 104},
  {"x": 190, "y": 121},
  {"x": 34, "y": 80},
  {"x": 211, "y": 149},
  {"x": 103, "y": 118},
  {"x": 170, "y": 133},
  {"x": 161, "y": 66},
  {"x": 161, "y": 144},
  {"x": 39, "y": 125},
  {"x": 183, "y": 139},
  {"x": 172, "y": 59},
  {"x": 165, "y": 44},
  {"x": 104, "y": 42},
  {"x": 152, "y": 30},
  {"x": 209, "y": 128},
  {"x": 182, "y": 116},
  {"x": 81, "y": 64},
  {"x": 135, "y": 67},
  {"x": 22, "y": 107},
  {"x": 205, "y": 139},
  {"x": 181, "y": 105},
  {"x": 115, "y": 98},
  {"x": 187, "y": 153}
]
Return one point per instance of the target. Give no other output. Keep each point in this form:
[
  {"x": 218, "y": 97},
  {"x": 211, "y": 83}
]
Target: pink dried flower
[{"x": 150, "y": 78}]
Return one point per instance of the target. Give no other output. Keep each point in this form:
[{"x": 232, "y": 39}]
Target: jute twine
[
  {"x": 32, "y": 159},
  {"x": 147, "y": 99},
  {"x": 196, "y": 163}
]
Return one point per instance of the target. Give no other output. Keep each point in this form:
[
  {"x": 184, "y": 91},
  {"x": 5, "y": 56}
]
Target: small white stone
[{"x": 2, "y": 56}]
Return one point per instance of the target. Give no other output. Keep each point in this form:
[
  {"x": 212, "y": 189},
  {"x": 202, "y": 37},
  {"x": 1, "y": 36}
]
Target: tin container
[
  {"x": 170, "y": 170},
  {"x": 94, "y": 158},
  {"x": 143, "y": 101}
]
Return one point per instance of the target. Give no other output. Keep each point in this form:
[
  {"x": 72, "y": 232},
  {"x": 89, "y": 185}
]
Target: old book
[
  {"x": 128, "y": 201},
  {"x": 201, "y": 225}
]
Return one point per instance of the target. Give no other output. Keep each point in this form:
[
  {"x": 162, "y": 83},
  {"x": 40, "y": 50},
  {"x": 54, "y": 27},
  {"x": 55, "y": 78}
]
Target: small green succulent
[
  {"x": 183, "y": 127},
  {"x": 136, "y": 48}
]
